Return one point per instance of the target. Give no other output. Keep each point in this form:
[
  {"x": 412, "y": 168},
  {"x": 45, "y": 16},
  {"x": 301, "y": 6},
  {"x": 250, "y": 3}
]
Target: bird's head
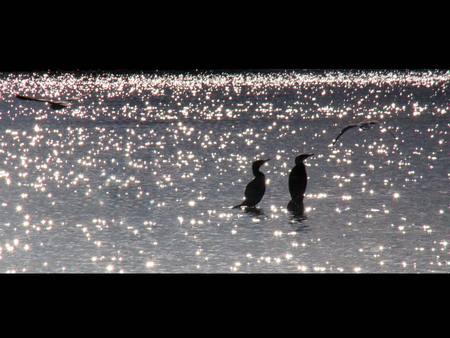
[
  {"x": 299, "y": 159},
  {"x": 257, "y": 164}
]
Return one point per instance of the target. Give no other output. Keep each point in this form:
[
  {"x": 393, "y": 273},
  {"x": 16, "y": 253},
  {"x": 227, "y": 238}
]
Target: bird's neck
[
  {"x": 300, "y": 165},
  {"x": 257, "y": 173}
]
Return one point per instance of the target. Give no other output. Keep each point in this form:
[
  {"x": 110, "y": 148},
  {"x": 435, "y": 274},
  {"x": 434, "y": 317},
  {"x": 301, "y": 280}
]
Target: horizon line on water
[{"x": 222, "y": 70}]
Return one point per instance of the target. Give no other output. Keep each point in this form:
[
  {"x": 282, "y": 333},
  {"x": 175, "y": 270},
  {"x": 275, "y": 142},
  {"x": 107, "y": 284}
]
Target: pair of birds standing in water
[{"x": 298, "y": 178}]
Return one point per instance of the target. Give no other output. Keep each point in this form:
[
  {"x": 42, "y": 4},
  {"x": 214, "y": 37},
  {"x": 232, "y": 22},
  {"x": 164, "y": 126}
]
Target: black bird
[
  {"x": 365, "y": 125},
  {"x": 297, "y": 184},
  {"x": 57, "y": 105},
  {"x": 255, "y": 190}
]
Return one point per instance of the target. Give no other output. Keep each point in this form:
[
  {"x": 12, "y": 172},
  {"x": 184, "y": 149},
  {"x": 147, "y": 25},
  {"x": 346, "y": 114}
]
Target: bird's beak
[
  {"x": 267, "y": 160},
  {"x": 309, "y": 155}
]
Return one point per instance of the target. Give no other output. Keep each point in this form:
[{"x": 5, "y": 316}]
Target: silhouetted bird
[
  {"x": 53, "y": 104},
  {"x": 296, "y": 207},
  {"x": 255, "y": 190},
  {"x": 365, "y": 125},
  {"x": 297, "y": 184}
]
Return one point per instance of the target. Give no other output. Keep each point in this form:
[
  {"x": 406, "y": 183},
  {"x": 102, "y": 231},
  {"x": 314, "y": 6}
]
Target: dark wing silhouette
[
  {"x": 27, "y": 98},
  {"x": 297, "y": 183},
  {"x": 367, "y": 124},
  {"x": 255, "y": 190},
  {"x": 53, "y": 104},
  {"x": 343, "y": 131},
  {"x": 58, "y": 105}
]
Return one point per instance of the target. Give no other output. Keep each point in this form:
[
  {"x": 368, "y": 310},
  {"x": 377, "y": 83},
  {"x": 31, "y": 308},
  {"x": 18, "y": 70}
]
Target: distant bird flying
[
  {"x": 297, "y": 183},
  {"x": 255, "y": 190},
  {"x": 365, "y": 125},
  {"x": 57, "y": 105}
]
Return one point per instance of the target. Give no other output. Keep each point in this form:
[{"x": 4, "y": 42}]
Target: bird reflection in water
[{"x": 297, "y": 210}]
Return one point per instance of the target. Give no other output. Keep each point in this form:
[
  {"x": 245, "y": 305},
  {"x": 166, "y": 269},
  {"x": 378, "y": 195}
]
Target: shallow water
[{"x": 139, "y": 174}]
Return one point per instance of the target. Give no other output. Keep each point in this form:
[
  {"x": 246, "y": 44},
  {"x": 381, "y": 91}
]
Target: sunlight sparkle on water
[{"x": 141, "y": 172}]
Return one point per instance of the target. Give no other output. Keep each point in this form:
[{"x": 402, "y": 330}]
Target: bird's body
[
  {"x": 365, "y": 125},
  {"x": 298, "y": 180},
  {"x": 53, "y": 104},
  {"x": 296, "y": 207},
  {"x": 255, "y": 190}
]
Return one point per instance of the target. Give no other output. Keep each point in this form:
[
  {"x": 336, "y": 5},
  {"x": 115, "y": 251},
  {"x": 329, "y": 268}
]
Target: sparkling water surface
[{"x": 139, "y": 174}]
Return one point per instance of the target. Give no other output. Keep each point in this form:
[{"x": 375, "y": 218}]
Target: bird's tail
[{"x": 240, "y": 205}]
